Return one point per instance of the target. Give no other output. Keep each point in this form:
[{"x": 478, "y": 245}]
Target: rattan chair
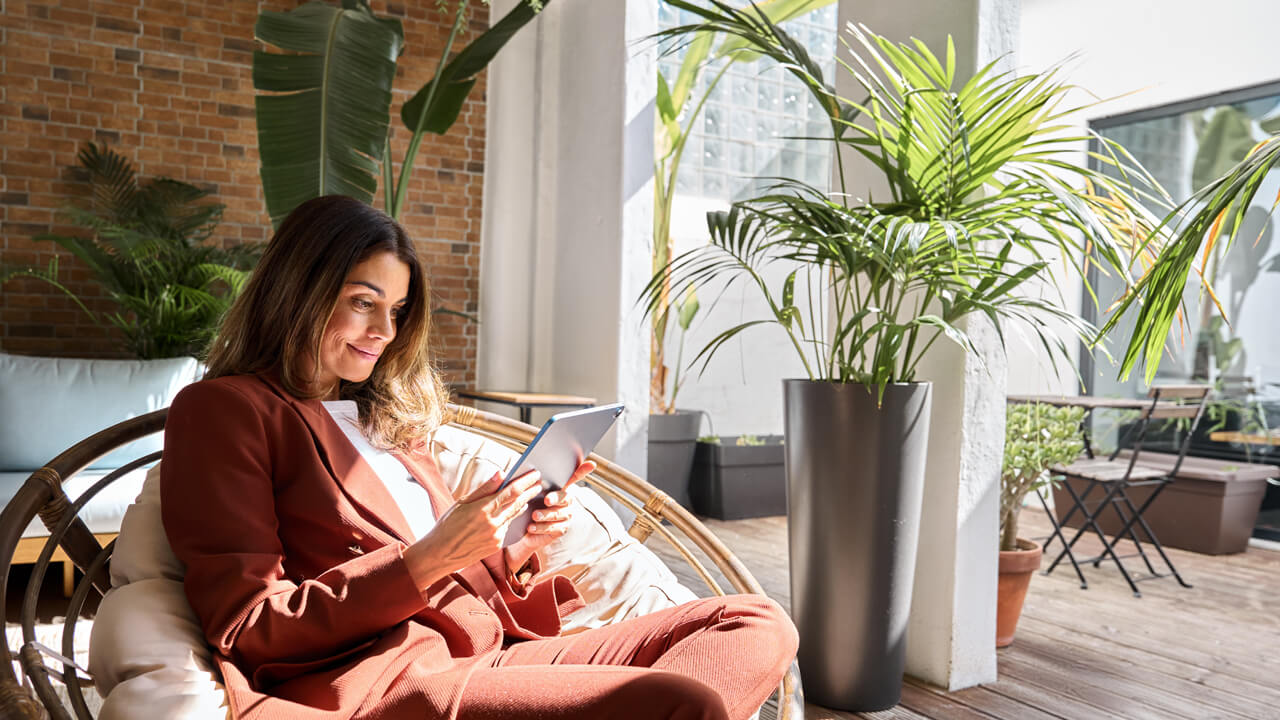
[{"x": 42, "y": 494}]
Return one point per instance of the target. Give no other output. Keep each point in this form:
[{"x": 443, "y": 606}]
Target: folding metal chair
[{"x": 1117, "y": 477}]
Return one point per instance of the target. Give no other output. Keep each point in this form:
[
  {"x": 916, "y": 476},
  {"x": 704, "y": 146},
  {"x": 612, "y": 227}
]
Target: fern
[{"x": 145, "y": 246}]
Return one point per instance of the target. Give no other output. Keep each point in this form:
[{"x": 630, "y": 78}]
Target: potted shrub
[
  {"x": 983, "y": 189},
  {"x": 739, "y": 476},
  {"x": 1037, "y": 437}
]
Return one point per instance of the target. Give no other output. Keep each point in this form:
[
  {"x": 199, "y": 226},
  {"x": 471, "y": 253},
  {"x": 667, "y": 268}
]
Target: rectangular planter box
[
  {"x": 1209, "y": 508},
  {"x": 734, "y": 482}
]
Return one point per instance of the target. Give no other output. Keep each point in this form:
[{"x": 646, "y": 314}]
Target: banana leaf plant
[
  {"x": 985, "y": 198},
  {"x": 324, "y": 103},
  {"x": 678, "y": 112}
]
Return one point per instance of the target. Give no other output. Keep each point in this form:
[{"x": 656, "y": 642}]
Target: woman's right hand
[{"x": 472, "y": 529}]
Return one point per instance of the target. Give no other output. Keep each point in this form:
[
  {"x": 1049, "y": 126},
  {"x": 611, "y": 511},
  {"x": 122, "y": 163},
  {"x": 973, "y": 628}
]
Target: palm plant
[
  {"x": 148, "y": 251},
  {"x": 983, "y": 199},
  {"x": 324, "y": 103},
  {"x": 1211, "y": 216},
  {"x": 679, "y": 109}
]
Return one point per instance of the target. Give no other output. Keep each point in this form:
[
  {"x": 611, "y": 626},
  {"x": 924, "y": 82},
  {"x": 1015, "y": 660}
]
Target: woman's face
[{"x": 363, "y": 321}]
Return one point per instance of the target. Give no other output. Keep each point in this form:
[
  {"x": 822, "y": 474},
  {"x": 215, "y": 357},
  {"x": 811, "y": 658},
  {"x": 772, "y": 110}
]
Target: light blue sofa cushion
[
  {"x": 103, "y": 511},
  {"x": 49, "y": 404}
]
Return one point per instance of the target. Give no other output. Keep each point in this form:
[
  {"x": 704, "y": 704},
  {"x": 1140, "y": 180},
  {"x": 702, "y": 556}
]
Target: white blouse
[{"x": 414, "y": 502}]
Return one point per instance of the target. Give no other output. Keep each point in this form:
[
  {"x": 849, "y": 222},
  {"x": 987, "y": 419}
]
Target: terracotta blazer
[{"x": 292, "y": 547}]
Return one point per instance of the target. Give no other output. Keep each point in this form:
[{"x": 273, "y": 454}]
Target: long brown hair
[{"x": 275, "y": 325}]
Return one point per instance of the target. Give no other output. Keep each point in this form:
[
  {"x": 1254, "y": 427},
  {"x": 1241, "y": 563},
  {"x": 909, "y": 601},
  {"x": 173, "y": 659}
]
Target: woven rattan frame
[{"x": 43, "y": 495}]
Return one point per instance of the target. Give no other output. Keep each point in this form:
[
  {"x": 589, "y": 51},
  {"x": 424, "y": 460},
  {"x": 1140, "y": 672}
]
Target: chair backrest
[
  {"x": 1170, "y": 402},
  {"x": 43, "y": 495}
]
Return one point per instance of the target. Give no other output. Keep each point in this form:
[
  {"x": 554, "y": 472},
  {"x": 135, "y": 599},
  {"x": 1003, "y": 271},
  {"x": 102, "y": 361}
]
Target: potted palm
[
  {"x": 984, "y": 199},
  {"x": 1037, "y": 437}
]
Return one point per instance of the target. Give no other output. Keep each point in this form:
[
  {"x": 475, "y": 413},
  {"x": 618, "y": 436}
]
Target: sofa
[{"x": 49, "y": 404}]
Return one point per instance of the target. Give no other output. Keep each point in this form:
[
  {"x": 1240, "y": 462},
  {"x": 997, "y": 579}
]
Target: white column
[
  {"x": 568, "y": 209},
  {"x": 951, "y": 632}
]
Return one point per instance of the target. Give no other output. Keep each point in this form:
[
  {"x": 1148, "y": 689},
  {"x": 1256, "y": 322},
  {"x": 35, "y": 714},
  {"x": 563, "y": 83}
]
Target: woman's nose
[{"x": 383, "y": 326}]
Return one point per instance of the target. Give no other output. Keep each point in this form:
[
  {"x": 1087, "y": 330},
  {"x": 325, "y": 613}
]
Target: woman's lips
[{"x": 364, "y": 353}]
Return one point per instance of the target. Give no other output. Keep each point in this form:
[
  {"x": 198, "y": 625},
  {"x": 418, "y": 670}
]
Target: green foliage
[
  {"x": 147, "y": 250},
  {"x": 1037, "y": 437},
  {"x": 678, "y": 113},
  {"x": 985, "y": 194},
  {"x": 1213, "y": 215},
  {"x": 324, "y": 103}
]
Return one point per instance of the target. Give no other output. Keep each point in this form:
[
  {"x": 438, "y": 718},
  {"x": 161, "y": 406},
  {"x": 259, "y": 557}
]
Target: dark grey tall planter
[
  {"x": 673, "y": 438},
  {"x": 855, "y": 482}
]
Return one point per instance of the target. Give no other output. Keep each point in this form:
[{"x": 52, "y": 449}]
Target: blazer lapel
[{"x": 356, "y": 478}]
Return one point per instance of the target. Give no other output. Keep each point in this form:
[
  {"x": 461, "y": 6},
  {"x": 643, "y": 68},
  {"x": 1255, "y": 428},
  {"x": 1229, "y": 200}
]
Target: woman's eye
[{"x": 362, "y": 304}]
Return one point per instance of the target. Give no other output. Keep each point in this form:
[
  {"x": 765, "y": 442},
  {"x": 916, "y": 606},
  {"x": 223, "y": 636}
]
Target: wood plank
[
  {"x": 1148, "y": 690},
  {"x": 1105, "y": 702},
  {"x": 985, "y": 699},
  {"x": 1174, "y": 653},
  {"x": 1188, "y": 681}
]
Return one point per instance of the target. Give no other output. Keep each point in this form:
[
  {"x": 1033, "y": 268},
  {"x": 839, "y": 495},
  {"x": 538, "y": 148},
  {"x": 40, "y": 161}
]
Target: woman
[{"x": 334, "y": 575}]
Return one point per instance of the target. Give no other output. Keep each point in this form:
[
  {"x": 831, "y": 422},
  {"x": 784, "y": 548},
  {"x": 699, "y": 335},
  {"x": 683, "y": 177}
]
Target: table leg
[{"x": 526, "y": 414}]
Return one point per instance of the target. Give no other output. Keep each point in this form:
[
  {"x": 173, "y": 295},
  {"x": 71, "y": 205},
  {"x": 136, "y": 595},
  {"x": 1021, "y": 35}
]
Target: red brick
[{"x": 103, "y": 79}]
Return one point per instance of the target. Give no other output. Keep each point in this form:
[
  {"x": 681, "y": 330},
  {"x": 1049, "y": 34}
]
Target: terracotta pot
[{"x": 1016, "y": 568}]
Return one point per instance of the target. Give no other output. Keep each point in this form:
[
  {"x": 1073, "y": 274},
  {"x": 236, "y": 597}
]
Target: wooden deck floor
[{"x": 1212, "y": 651}]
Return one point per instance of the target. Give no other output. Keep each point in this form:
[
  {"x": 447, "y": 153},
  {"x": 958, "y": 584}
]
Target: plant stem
[
  {"x": 664, "y": 191},
  {"x": 402, "y": 187}
]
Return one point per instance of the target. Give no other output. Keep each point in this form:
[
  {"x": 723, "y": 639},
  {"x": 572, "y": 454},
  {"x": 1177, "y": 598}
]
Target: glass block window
[{"x": 751, "y": 124}]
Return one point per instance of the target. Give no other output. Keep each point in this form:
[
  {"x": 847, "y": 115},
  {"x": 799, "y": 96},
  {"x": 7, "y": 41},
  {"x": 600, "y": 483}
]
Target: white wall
[
  {"x": 1133, "y": 55},
  {"x": 741, "y": 389},
  {"x": 567, "y": 210}
]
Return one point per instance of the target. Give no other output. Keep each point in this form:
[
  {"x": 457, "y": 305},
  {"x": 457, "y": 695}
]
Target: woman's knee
[
  {"x": 767, "y": 618},
  {"x": 676, "y": 696}
]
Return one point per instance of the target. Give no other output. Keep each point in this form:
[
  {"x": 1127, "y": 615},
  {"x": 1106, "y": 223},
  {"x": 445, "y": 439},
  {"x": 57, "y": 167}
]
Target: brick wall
[{"x": 168, "y": 83}]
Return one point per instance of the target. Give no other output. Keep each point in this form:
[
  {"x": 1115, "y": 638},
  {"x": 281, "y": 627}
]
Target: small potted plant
[
  {"x": 1037, "y": 437},
  {"x": 739, "y": 476}
]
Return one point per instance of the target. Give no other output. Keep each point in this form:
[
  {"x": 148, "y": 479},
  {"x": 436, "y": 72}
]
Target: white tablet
[{"x": 564, "y": 441}]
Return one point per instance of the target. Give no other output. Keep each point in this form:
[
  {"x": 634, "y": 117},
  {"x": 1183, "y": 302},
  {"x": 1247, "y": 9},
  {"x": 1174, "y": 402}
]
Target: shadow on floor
[{"x": 50, "y": 602}]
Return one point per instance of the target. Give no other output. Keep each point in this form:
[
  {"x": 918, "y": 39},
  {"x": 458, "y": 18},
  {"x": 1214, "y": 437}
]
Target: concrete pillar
[
  {"x": 568, "y": 207},
  {"x": 951, "y": 632}
]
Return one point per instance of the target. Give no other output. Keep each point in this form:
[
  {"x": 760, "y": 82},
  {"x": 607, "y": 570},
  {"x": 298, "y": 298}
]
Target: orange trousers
[{"x": 710, "y": 659}]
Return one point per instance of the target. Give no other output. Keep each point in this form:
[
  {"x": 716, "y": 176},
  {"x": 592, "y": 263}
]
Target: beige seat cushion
[{"x": 147, "y": 649}]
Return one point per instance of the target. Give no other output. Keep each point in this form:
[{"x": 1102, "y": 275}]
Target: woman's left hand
[{"x": 549, "y": 522}]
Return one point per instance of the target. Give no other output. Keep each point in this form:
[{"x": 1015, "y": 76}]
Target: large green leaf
[
  {"x": 323, "y": 128},
  {"x": 459, "y": 75}
]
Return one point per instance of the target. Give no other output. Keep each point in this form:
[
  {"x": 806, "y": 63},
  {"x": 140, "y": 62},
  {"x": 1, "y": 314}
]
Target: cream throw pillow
[{"x": 147, "y": 649}]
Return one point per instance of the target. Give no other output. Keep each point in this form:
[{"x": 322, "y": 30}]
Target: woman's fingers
[
  {"x": 551, "y": 516},
  {"x": 549, "y": 529},
  {"x": 511, "y": 507},
  {"x": 584, "y": 469},
  {"x": 488, "y": 487}
]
